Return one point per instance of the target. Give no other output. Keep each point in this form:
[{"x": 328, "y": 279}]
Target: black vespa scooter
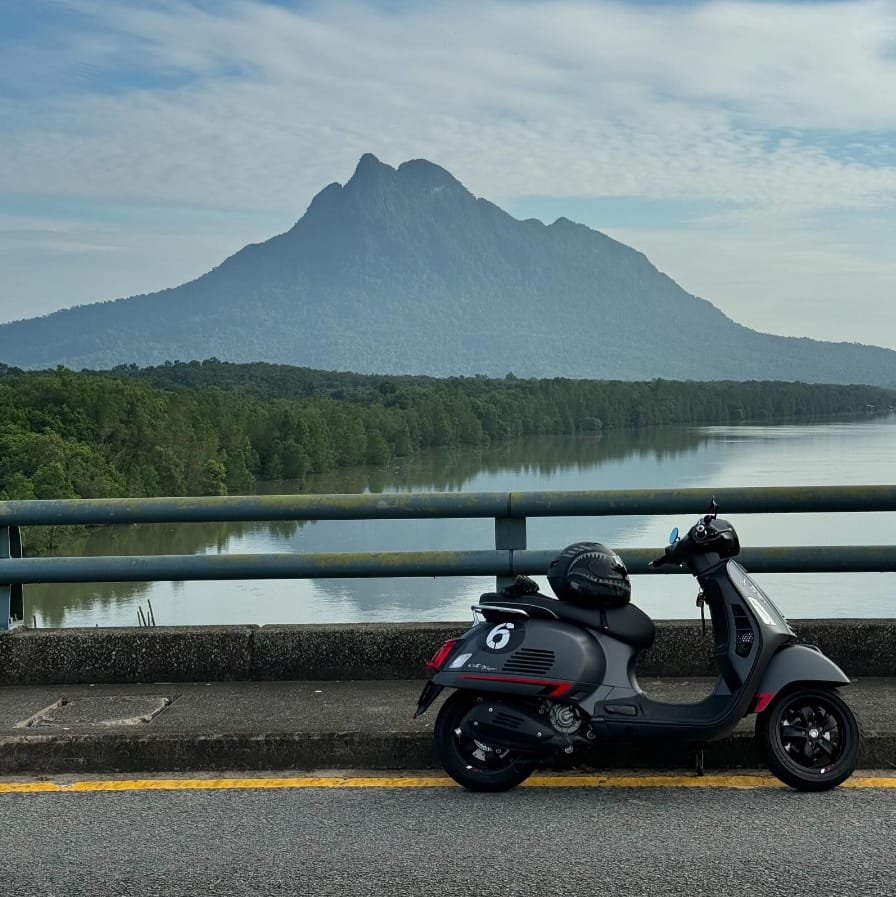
[{"x": 538, "y": 677}]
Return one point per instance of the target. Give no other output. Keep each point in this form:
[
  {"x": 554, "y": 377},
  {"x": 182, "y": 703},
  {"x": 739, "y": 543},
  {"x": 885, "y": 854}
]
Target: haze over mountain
[{"x": 405, "y": 271}]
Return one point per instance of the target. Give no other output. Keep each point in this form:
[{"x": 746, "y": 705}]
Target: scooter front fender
[{"x": 797, "y": 663}]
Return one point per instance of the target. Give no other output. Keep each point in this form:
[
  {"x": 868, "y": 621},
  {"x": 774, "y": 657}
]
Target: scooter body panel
[{"x": 526, "y": 657}]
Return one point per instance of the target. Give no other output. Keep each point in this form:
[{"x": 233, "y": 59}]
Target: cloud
[{"x": 268, "y": 104}]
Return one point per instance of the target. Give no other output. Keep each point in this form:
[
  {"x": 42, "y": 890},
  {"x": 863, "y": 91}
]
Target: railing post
[
  {"x": 510, "y": 535},
  {"x": 12, "y": 607}
]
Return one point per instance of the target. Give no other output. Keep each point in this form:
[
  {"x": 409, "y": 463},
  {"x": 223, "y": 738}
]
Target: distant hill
[{"x": 405, "y": 271}]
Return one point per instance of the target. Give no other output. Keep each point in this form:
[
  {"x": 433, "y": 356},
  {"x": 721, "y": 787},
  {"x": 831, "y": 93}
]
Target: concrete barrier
[{"x": 356, "y": 651}]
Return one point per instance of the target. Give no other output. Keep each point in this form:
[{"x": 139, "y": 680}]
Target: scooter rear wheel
[
  {"x": 810, "y": 738},
  {"x": 471, "y": 763}
]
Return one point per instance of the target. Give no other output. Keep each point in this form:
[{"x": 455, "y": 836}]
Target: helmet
[
  {"x": 590, "y": 573},
  {"x": 716, "y": 534}
]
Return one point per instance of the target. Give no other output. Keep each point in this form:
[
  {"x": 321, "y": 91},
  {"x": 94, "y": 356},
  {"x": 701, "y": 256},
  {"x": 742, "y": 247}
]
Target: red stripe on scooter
[
  {"x": 559, "y": 688},
  {"x": 763, "y": 699}
]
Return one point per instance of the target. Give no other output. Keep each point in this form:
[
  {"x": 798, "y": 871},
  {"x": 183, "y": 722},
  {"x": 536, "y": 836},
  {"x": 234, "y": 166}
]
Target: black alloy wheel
[
  {"x": 471, "y": 763},
  {"x": 810, "y": 738}
]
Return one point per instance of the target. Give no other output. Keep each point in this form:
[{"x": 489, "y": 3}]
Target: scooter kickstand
[{"x": 700, "y": 769}]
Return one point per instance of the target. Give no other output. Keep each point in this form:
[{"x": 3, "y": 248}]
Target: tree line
[{"x": 215, "y": 428}]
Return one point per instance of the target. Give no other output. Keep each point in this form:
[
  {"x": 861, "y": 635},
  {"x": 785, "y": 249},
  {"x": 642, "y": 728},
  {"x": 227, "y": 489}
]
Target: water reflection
[
  {"x": 456, "y": 470},
  {"x": 57, "y": 604},
  {"x": 714, "y": 457}
]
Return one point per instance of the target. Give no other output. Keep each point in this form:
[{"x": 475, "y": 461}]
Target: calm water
[{"x": 857, "y": 452}]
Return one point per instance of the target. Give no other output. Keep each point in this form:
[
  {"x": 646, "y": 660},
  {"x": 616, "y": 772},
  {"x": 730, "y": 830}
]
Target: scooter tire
[
  {"x": 472, "y": 764},
  {"x": 810, "y": 738}
]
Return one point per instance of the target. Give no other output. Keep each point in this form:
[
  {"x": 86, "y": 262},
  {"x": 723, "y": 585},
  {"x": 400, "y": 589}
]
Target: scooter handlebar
[
  {"x": 681, "y": 549},
  {"x": 674, "y": 553},
  {"x": 663, "y": 559}
]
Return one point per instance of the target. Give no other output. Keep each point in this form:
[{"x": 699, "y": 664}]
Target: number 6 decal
[{"x": 499, "y": 637}]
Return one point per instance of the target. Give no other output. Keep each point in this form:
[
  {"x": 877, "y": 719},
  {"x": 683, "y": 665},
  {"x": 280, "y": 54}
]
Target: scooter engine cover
[
  {"x": 543, "y": 658},
  {"x": 510, "y": 725}
]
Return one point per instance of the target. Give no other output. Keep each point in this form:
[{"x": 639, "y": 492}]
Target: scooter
[{"x": 537, "y": 677}]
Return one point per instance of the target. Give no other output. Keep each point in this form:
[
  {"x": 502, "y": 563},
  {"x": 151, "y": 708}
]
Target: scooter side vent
[
  {"x": 508, "y": 720},
  {"x": 743, "y": 631},
  {"x": 529, "y": 660}
]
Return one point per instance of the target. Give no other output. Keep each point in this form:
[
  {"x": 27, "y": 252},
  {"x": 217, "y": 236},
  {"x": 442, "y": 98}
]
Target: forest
[{"x": 216, "y": 428}]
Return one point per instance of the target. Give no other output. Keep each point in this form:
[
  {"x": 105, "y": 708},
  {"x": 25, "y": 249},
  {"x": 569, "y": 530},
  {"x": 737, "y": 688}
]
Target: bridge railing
[{"x": 508, "y": 558}]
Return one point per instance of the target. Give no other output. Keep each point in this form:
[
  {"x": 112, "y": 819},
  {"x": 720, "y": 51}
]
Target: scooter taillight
[{"x": 441, "y": 655}]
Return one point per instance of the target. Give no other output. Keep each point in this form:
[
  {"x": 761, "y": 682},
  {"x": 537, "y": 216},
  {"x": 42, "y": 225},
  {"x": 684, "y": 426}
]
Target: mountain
[{"x": 405, "y": 271}]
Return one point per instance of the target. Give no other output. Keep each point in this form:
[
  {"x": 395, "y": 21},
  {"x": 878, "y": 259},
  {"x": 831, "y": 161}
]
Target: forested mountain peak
[{"x": 403, "y": 270}]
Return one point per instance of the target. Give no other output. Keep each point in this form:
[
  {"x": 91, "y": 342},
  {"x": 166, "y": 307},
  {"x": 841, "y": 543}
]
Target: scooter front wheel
[
  {"x": 810, "y": 738},
  {"x": 470, "y": 762}
]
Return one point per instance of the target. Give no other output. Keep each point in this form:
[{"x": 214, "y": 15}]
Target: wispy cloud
[{"x": 553, "y": 98}]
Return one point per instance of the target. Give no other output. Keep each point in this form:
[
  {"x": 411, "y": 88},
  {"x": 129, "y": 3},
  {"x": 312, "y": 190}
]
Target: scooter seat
[{"x": 627, "y": 623}]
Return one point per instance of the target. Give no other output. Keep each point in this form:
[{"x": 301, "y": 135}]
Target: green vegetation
[{"x": 213, "y": 428}]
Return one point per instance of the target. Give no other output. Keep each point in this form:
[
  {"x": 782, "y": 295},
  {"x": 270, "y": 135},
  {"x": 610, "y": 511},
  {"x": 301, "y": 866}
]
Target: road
[{"x": 620, "y": 840}]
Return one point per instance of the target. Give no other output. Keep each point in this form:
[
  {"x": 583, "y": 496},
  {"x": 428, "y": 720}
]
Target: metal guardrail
[{"x": 508, "y": 558}]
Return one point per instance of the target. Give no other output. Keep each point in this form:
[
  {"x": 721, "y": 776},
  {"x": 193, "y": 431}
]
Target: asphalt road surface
[{"x": 437, "y": 841}]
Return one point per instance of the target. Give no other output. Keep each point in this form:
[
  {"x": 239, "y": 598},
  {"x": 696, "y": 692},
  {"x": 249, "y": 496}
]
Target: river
[{"x": 829, "y": 453}]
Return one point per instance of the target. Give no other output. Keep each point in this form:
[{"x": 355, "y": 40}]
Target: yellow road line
[{"x": 433, "y": 781}]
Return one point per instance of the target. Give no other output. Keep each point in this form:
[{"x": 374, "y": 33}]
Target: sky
[{"x": 747, "y": 148}]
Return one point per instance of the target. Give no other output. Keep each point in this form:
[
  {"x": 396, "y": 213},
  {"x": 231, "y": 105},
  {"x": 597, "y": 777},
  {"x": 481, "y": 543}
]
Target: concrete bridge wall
[{"x": 863, "y": 648}]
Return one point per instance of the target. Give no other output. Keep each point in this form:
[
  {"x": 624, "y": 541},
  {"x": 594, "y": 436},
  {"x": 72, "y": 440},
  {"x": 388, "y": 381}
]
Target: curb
[{"x": 54, "y": 754}]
